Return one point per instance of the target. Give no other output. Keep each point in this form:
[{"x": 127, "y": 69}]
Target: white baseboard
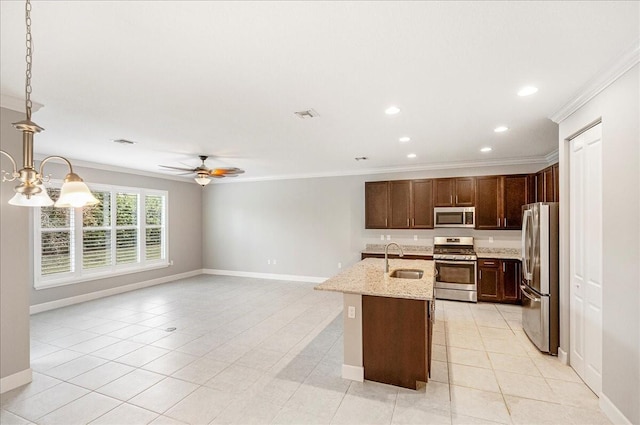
[
  {"x": 38, "y": 308},
  {"x": 354, "y": 373},
  {"x": 562, "y": 356},
  {"x": 272, "y": 276},
  {"x": 16, "y": 380},
  {"x": 612, "y": 412}
]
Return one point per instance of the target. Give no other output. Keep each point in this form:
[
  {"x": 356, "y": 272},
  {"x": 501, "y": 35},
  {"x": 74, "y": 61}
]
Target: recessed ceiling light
[
  {"x": 528, "y": 90},
  {"x": 392, "y": 110},
  {"x": 412, "y": 155},
  {"x": 501, "y": 129},
  {"x": 405, "y": 139},
  {"x": 487, "y": 149}
]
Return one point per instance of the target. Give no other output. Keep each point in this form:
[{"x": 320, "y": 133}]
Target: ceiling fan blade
[
  {"x": 178, "y": 168},
  {"x": 225, "y": 171}
]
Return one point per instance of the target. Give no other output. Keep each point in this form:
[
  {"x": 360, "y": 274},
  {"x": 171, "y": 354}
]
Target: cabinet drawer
[{"x": 489, "y": 263}]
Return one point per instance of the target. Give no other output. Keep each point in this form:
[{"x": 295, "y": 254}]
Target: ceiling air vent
[
  {"x": 309, "y": 113},
  {"x": 124, "y": 141}
]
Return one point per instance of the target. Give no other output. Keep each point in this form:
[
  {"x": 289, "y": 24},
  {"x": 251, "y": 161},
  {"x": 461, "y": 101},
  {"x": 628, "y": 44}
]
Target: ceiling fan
[{"x": 204, "y": 174}]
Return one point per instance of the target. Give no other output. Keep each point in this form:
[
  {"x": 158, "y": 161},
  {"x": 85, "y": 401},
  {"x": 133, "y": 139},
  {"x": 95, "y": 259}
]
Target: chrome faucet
[{"x": 386, "y": 255}]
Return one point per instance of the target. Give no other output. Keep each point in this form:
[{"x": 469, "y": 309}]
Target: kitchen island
[{"x": 387, "y": 321}]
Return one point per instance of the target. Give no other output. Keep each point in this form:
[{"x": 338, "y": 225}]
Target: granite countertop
[
  {"x": 499, "y": 253},
  {"x": 406, "y": 249},
  {"x": 367, "y": 277}
]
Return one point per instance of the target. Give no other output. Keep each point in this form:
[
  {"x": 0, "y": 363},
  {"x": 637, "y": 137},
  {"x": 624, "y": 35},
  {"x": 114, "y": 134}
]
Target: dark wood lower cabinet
[
  {"x": 499, "y": 281},
  {"x": 396, "y": 340}
]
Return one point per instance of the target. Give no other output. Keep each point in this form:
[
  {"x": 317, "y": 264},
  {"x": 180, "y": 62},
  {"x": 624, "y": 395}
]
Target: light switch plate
[{"x": 351, "y": 312}]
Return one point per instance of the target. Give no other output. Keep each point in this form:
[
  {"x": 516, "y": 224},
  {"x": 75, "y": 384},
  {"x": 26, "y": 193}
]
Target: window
[{"x": 124, "y": 233}]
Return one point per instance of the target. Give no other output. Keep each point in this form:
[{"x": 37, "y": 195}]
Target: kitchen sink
[{"x": 407, "y": 274}]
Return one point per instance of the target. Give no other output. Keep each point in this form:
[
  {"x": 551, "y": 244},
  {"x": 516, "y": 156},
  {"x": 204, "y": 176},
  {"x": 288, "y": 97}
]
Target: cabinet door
[
  {"x": 556, "y": 183},
  {"x": 515, "y": 196},
  {"x": 488, "y": 205},
  {"x": 376, "y": 196},
  {"x": 489, "y": 281},
  {"x": 443, "y": 193},
  {"x": 511, "y": 281},
  {"x": 540, "y": 187},
  {"x": 549, "y": 185},
  {"x": 422, "y": 204},
  {"x": 465, "y": 195},
  {"x": 399, "y": 204}
]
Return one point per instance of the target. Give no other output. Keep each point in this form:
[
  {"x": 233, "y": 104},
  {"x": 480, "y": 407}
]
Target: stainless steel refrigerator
[{"x": 540, "y": 313}]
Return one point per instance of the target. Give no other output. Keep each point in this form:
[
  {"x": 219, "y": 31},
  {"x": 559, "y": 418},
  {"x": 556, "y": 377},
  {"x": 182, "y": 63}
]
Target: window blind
[
  {"x": 126, "y": 228},
  {"x": 96, "y": 233},
  {"x": 56, "y": 242}
]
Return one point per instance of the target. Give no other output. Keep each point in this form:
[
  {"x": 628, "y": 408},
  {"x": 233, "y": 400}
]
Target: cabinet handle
[
  {"x": 503, "y": 269},
  {"x": 407, "y": 222},
  {"x": 490, "y": 263},
  {"x": 481, "y": 274},
  {"x": 498, "y": 221},
  {"x": 505, "y": 222},
  {"x": 456, "y": 199},
  {"x": 451, "y": 199},
  {"x": 385, "y": 222}
]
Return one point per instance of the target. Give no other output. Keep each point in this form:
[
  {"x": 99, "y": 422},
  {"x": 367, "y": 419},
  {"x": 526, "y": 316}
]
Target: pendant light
[{"x": 31, "y": 192}]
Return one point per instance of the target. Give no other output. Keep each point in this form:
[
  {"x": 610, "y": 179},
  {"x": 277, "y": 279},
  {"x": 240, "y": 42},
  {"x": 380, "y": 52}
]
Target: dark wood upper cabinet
[
  {"x": 488, "y": 209},
  {"x": 422, "y": 204},
  {"x": 556, "y": 182},
  {"x": 465, "y": 195},
  {"x": 399, "y": 204},
  {"x": 376, "y": 195},
  {"x": 500, "y": 201},
  {"x": 547, "y": 182},
  {"x": 516, "y": 194},
  {"x": 454, "y": 192}
]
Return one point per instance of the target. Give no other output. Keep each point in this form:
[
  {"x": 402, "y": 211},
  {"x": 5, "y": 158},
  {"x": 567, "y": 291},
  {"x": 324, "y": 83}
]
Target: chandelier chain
[{"x": 28, "y": 59}]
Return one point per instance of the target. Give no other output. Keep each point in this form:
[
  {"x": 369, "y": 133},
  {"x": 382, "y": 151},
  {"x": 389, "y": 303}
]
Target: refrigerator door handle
[
  {"x": 525, "y": 257},
  {"x": 526, "y": 294}
]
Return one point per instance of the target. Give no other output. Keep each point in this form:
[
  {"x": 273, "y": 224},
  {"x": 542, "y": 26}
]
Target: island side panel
[
  {"x": 395, "y": 340},
  {"x": 352, "y": 368}
]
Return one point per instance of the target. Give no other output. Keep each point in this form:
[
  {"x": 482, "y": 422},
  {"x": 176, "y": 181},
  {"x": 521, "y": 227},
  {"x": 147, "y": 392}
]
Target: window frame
[{"x": 78, "y": 273}]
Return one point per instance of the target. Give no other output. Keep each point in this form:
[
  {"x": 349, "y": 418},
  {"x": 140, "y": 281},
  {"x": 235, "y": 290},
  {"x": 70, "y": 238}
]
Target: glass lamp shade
[
  {"x": 38, "y": 200},
  {"x": 202, "y": 180},
  {"x": 75, "y": 194}
]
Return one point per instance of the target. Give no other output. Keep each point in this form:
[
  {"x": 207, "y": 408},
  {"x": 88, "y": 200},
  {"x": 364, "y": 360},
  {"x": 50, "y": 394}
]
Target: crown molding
[
  {"x": 601, "y": 81},
  {"x": 552, "y": 157},
  {"x": 387, "y": 170},
  {"x": 17, "y": 104},
  {"x": 117, "y": 169}
]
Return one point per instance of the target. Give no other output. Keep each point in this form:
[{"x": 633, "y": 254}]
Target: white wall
[
  {"x": 311, "y": 225},
  {"x": 618, "y": 108}
]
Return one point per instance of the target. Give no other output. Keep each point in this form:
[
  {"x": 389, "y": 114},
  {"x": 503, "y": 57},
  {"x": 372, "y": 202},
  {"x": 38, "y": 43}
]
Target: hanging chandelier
[{"x": 31, "y": 191}]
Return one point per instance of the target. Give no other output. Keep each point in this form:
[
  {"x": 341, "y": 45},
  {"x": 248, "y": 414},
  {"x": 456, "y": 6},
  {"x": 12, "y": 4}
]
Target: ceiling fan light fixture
[{"x": 202, "y": 180}]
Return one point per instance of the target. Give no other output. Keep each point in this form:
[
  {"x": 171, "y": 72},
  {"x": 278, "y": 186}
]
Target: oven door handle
[{"x": 454, "y": 262}]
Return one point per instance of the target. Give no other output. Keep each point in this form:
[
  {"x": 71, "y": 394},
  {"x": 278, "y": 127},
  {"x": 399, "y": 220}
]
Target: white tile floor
[{"x": 255, "y": 351}]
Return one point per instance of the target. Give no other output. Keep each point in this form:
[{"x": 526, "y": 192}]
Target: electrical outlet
[
  {"x": 490, "y": 239},
  {"x": 381, "y": 237},
  {"x": 339, "y": 265},
  {"x": 171, "y": 263},
  {"x": 274, "y": 261},
  {"x": 388, "y": 237},
  {"x": 268, "y": 261},
  {"x": 415, "y": 237},
  {"x": 351, "y": 312}
]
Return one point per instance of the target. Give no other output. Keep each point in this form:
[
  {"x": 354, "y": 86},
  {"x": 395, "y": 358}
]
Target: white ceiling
[{"x": 224, "y": 78}]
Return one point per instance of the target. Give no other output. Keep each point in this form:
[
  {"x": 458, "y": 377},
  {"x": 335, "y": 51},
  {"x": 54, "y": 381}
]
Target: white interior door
[{"x": 585, "y": 233}]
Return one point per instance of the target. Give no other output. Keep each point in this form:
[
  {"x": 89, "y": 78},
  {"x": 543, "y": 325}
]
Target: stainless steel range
[{"x": 456, "y": 268}]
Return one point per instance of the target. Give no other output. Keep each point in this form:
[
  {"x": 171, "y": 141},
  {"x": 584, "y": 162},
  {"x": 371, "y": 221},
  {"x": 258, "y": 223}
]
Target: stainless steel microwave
[{"x": 454, "y": 217}]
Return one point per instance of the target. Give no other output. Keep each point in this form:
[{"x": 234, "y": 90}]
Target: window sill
[{"x": 63, "y": 281}]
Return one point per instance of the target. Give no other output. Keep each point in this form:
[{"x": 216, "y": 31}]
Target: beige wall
[
  {"x": 618, "y": 107},
  {"x": 16, "y": 274},
  {"x": 14, "y": 255},
  {"x": 311, "y": 225}
]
